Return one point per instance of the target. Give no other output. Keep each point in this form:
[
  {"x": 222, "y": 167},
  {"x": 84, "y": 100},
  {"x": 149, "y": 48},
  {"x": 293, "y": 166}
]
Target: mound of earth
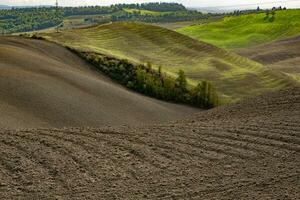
[
  {"x": 45, "y": 85},
  {"x": 250, "y": 150},
  {"x": 283, "y": 55}
]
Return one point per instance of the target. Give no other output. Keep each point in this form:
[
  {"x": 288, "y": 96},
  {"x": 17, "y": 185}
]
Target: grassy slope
[
  {"x": 234, "y": 76},
  {"x": 247, "y": 30}
]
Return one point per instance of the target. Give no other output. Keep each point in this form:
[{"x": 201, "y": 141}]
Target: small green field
[
  {"x": 247, "y": 30},
  {"x": 235, "y": 77},
  {"x": 145, "y": 12}
]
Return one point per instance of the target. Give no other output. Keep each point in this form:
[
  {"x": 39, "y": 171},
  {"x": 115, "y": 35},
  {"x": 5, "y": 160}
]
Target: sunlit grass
[{"x": 247, "y": 30}]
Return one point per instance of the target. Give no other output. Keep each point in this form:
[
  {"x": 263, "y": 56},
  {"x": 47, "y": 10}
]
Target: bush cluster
[{"x": 146, "y": 80}]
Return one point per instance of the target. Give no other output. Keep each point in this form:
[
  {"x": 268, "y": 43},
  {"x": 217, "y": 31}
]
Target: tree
[
  {"x": 181, "y": 90},
  {"x": 204, "y": 95},
  {"x": 181, "y": 80},
  {"x": 273, "y": 13},
  {"x": 267, "y": 15},
  {"x": 159, "y": 70}
]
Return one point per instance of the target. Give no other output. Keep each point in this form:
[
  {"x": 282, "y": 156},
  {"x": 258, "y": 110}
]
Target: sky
[{"x": 188, "y": 3}]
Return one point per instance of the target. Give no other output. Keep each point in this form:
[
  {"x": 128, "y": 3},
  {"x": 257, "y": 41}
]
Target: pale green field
[
  {"x": 235, "y": 77},
  {"x": 246, "y": 30}
]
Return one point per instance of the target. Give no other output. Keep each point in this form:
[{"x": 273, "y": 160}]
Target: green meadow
[{"x": 247, "y": 30}]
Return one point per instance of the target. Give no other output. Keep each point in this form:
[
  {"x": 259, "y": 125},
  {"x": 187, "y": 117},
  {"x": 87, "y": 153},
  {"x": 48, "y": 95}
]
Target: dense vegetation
[
  {"x": 240, "y": 31},
  {"x": 159, "y": 17},
  {"x": 154, "y": 83},
  {"x": 30, "y": 19}
]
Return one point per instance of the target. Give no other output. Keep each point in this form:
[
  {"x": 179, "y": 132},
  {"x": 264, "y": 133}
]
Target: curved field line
[{"x": 34, "y": 159}]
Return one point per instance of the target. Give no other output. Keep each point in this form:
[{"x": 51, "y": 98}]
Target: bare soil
[
  {"x": 250, "y": 150},
  {"x": 283, "y": 55},
  {"x": 45, "y": 85}
]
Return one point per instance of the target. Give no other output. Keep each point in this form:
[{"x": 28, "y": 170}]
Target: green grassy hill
[
  {"x": 235, "y": 77},
  {"x": 247, "y": 30}
]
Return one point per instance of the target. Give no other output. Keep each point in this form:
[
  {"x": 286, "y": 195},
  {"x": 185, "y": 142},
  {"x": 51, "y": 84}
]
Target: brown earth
[
  {"x": 283, "y": 55},
  {"x": 45, "y": 85},
  {"x": 250, "y": 150}
]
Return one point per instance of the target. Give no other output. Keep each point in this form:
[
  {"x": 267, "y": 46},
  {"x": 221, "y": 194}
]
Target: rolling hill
[
  {"x": 282, "y": 55},
  {"x": 247, "y": 151},
  {"x": 45, "y": 85},
  {"x": 247, "y": 30},
  {"x": 235, "y": 77}
]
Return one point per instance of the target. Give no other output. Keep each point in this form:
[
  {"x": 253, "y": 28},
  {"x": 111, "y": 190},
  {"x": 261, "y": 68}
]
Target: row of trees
[
  {"x": 154, "y": 83},
  {"x": 159, "y": 7},
  {"x": 164, "y": 17},
  {"x": 257, "y": 10}
]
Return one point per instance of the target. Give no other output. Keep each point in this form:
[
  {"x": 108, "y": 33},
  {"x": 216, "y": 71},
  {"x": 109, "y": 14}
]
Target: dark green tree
[{"x": 181, "y": 80}]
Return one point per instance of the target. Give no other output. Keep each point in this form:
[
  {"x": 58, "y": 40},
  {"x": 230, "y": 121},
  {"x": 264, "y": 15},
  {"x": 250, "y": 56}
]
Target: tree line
[
  {"x": 163, "y": 17},
  {"x": 36, "y": 18},
  {"x": 153, "y": 82},
  {"x": 156, "y": 6},
  {"x": 29, "y": 19}
]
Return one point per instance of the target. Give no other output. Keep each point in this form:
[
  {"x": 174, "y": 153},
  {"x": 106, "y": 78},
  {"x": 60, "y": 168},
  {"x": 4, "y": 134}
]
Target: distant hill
[
  {"x": 235, "y": 77},
  {"x": 247, "y": 30}
]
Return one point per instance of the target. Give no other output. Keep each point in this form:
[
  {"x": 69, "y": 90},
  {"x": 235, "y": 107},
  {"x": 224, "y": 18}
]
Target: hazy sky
[{"x": 190, "y": 3}]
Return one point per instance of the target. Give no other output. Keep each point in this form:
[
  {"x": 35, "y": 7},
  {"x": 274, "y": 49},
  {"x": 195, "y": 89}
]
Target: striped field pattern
[{"x": 235, "y": 77}]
